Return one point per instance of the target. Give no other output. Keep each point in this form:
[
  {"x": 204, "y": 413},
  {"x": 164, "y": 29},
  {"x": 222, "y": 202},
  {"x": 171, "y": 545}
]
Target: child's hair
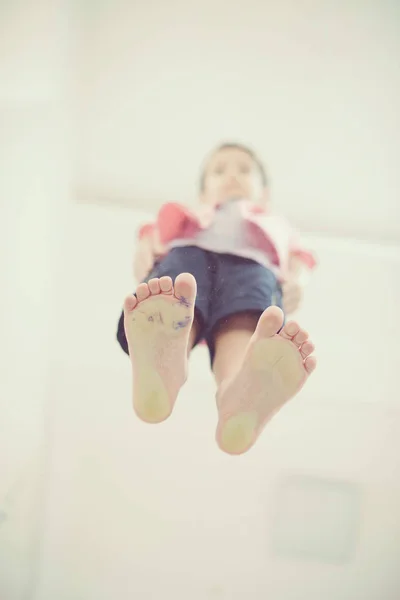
[{"x": 247, "y": 150}]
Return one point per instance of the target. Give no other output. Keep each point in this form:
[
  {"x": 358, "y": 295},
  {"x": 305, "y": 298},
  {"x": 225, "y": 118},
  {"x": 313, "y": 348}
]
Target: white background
[
  {"x": 313, "y": 85},
  {"x": 98, "y": 105}
]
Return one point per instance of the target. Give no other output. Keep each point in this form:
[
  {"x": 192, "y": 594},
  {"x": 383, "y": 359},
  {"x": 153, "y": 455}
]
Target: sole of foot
[
  {"x": 157, "y": 326},
  {"x": 274, "y": 369}
]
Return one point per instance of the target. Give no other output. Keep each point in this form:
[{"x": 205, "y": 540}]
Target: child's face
[{"x": 232, "y": 173}]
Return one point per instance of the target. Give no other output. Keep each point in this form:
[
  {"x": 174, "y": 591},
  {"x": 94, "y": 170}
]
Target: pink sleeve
[
  {"x": 297, "y": 249},
  {"x": 171, "y": 220}
]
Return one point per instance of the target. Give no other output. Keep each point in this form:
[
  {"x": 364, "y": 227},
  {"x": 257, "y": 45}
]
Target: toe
[
  {"x": 306, "y": 349},
  {"x": 154, "y": 286},
  {"x": 130, "y": 303},
  {"x": 290, "y": 330},
  {"x": 142, "y": 292},
  {"x": 270, "y": 321},
  {"x": 310, "y": 363},
  {"x": 185, "y": 288},
  {"x": 300, "y": 337},
  {"x": 166, "y": 284}
]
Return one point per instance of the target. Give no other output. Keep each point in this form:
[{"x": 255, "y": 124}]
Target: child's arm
[
  {"x": 300, "y": 264},
  {"x": 298, "y": 275},
  {"x": 148, "y": 249},
  {"x": 299, "y": 269}
]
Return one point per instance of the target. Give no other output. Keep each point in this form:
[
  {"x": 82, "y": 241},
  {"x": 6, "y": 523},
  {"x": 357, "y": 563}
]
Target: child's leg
[
  {"x": 160, "y": 324},
  {"x": 231, "y": 340},
  {"x": 257, "y": 371}
]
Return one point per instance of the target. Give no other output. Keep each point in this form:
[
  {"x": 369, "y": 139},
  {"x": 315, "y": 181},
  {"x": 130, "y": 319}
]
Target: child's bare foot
[
  {"x": 157, "y": 326},
  {"x": 274, "y": 369}
]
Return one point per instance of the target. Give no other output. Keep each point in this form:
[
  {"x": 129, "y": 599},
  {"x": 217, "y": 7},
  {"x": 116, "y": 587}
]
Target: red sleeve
[{"x": 297, "y": 249}]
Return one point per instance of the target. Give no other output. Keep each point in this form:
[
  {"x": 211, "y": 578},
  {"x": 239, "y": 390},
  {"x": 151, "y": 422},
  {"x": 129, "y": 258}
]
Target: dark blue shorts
[{"x": 226, "y": 285}]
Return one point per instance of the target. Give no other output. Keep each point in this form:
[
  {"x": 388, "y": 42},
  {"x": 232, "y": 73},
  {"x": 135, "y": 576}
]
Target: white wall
[
  {"x": 34, "y": 181},
  {"x": 144, "y": 511},
  {"x": 313, "y": 85}
]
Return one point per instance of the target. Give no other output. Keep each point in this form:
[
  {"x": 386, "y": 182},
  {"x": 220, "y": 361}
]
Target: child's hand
[
  {"x": 148, "y": 249},
  {"x": 143, "y": 259},
  {"x": 296, "y": 280},
  {"x": 204, "y": 213},
  {"x": 292, "y": 295}
]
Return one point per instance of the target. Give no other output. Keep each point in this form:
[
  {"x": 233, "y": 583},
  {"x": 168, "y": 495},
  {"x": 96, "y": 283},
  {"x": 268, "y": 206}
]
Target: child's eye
[
  {"x": 245, "y": 169},
  {"x": 219, "y": 170}
]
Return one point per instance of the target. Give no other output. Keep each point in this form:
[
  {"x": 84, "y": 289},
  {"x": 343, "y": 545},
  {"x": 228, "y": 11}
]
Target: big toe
[
  {"x": 270, "y": 321},
  {"x": 185, "y": 288}
]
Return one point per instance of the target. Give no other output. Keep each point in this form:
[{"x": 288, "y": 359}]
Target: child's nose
[{"x": 233, "y": 177}]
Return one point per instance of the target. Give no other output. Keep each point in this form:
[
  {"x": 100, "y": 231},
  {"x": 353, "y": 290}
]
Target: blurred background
[{"x": 106, "y": 111}]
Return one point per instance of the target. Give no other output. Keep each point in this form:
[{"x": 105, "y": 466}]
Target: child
[{"x": 217, "y": 277}]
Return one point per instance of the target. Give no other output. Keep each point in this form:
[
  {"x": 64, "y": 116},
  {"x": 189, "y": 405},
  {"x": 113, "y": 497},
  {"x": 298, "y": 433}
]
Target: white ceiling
[{"x": 314, "y": 86}]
